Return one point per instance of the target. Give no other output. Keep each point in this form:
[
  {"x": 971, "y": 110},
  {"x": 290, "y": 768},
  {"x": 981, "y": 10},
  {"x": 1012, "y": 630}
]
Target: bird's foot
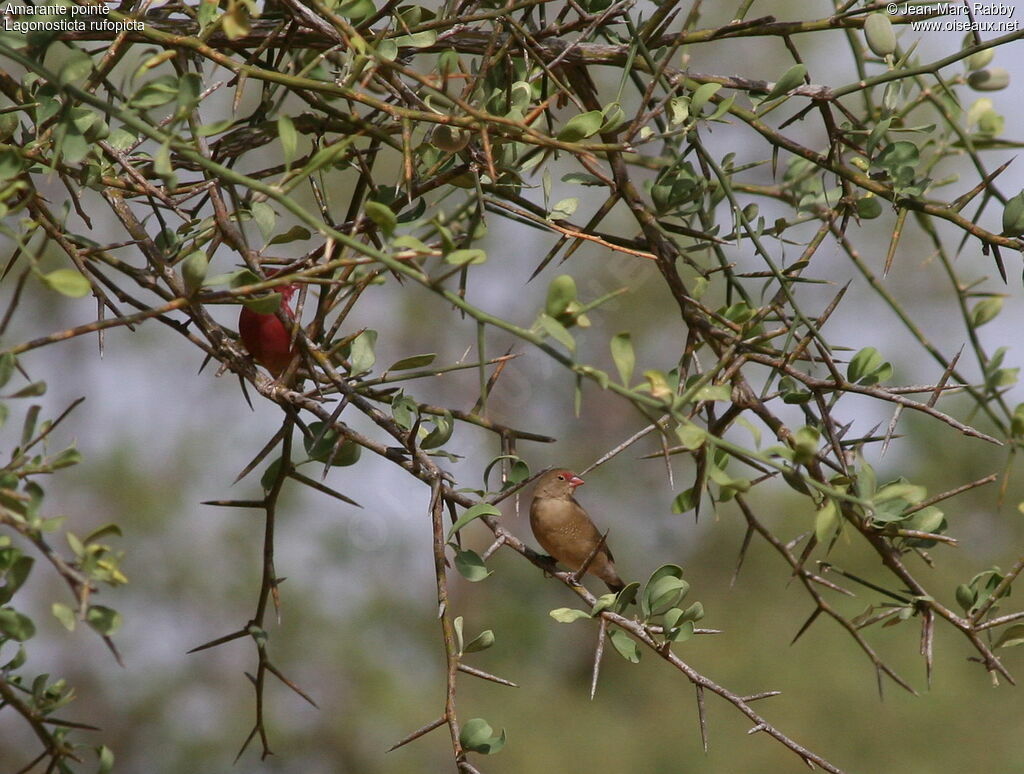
[{"x": 549, "y": 562}]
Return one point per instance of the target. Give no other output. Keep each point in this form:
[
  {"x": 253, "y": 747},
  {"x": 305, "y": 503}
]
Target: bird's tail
[{"x": 612, "y": 580}]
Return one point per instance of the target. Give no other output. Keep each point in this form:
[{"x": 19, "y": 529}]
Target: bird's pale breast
[{"x": 563, "y": 530}]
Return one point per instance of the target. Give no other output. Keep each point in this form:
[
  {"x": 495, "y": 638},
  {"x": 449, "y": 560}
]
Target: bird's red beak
[{"x": 575, "y": 481}]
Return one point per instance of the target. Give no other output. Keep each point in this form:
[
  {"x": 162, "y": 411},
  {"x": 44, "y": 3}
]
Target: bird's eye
[{"x": 561, "y": 478}]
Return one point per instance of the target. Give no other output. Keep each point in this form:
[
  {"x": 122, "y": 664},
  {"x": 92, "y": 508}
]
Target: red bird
[{"x": 267, "y": 339}]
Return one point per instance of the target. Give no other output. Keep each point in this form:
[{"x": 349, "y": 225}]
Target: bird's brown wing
[{"x": 604, "y": 549}]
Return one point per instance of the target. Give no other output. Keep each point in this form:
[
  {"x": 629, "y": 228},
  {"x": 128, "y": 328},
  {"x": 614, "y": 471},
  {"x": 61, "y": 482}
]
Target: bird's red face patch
[{"x": 570, "y": 478}]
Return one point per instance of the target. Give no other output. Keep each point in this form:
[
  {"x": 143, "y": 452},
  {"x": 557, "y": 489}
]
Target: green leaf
[
  {"x": 103, "y": 619},
  {"x": 582, "y": 178},
  {"x": 877, "y": 134},
  {"x": 15, "y": 625},
  {"x": 805, "y": 444},
  {"x": 863, "y": 364},
  {"x": 239, "y": 279},
  {"x": 701, "y": 96},
  {"x": 457, "y": 624},
  {"x": 107, "y": 530},
  {"x": 268, "y": 304},
  {"x": 626, "y": 596},
  {"x": 557, "y": 331},
  {"x": 882, "y": 374},
  {"x": 714, "y": 392},
  {"x": 903, "y": 490},
  {"x": 190, "y": 86},
  {"x": 404, "y": 410},
  {"x": 723, "y": 107},
  {"x": 407, "y": 242},
  {"x": 867, "y": 481},
  {"x": 478, "y": 510},
  {"x": 694, "y": 612},
  {"x": 64, "y": 614},
  {"x": 1016, "y": 424},
  {"x": 235, "y": 21},
  {"x": 624, "y": 357},
  {"x": 568, "y": 614},
  {"x": 680, "y": 633},
  {"x": 986, "y": 311},
  {"x": 561, "y": 293},
  {"x": 614, "y": 117},
  {"x": 665, "y": 571},
  {"x": 357, "y": 10},
  {"x": 898, "y": 155},
  {"x": 478, "y": 736},
  {"x": 519, "y": 471},
  {"x": 826, "y": 522},
  {"x": 521, "y": 95},
  {"x": 33, "y": 390},
  {"x": 869, "y": 207},
  {"x": 8, "y": 361},
  {"x": 625, "y": 645},
  {"x": 450, "y": 139},
  {"x": 294, "y": 234},
  {"x": 663, "y": 594},
  {"x": 76, "y": 68},
  {"x": 678, "y": 110},
  {"x": 792, "y": 78},
  {"x": 467, "y": 257},
  {"x": 989, "y": 79},
  {"x": 664, "y": 583},
  {"x": 471, "y": 566},
  {"x": 482, "y": 641},
  {"x": 1011, "y": 637},
  {"x": 930, "y": 519},
  {"x": 423, "y": 39},
  {"x": 879, "y": 34},
  {"x": 564, "y": 209},
  {"x": 691, "y": 436},
  {"x": 382, "y": 215},
  {"x": 361, "y": 355},
  {"x": 1013, "y": 216},
  {"x": 582, "y": 126},
  {"x": 157, "y": 92},
  {"x": 443, "y": 428},
  {"x": 208, "y": 130},
  {"x": 289, "y": 138},
  {"x": 739, "y": 312},
  {"x": 193, "y": 270},
  {"x": 264, "y": 216},
  {"x": 323, "y": 450},
  {"x": 11, "y": 163},
  {"x": 269, "y": 477},
  {"x": 14, "y": 577},
  {"x": 672, "y": 617},
  {"x": 387, "y": 50},
  {"x": 414, "y": 361},
  {"x": 106, "y": 755},
  {"x": 68, "y": 282},
  {"x": 685, "y": 501}
]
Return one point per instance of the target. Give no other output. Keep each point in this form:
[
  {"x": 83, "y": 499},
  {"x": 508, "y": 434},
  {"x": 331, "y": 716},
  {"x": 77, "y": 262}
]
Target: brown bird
[{"x": 564, "y": 529}]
